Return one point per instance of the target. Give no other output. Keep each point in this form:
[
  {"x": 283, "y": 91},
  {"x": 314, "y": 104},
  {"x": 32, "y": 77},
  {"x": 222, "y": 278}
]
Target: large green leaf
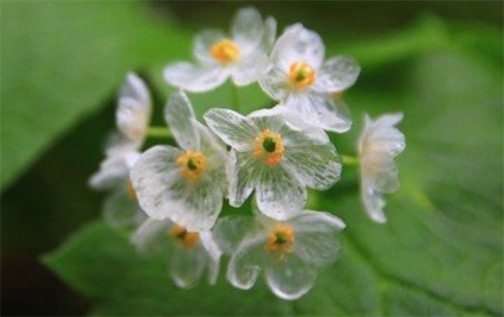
[
  {"x": 439, "y": 254},
  {"x": 61, "y": 60}
]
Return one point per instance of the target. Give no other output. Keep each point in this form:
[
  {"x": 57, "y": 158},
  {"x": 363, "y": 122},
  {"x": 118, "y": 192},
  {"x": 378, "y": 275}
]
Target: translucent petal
[
  {"x": 279, "y": 194},
  {"x": 373, "y": 202},
  {"x": 209, "y": 142},
  {"x": 152, "y": 237},
  {"x": 200, "y": 202},
  {"x": 298, "y": 44},
  {"x": 203, "y": 42},
  {"x": 321, "y": 110},
  {"x": 244, "y": 265},
  {"x": 233, "y": 128},
  {"x": 380, "y": 171},
  {"x": 113, "y": 173},
  {"x": 122, "y": 212},
  {"x": 316, "y": 237},
  {"x": 337, "y": 74},
  {"x": 379, "y": 143},
  {"x": 317, "y": 166},
  {"x": 290, "y": 125},
  {"x": 229, "y": 232},
  {"x": 195, "y": 78},
  {"x": 273, "y": 82},
  {"x": 179, "y": 115},
  {"x": 188, "y": 265},
  {"x": 380, "y": 136},
  {"x": 249, "y": 69},
  {"x": 134, "y": 88},
  {"x": 132, "y": 119},
  {"x": 270, "y": 30},
  {"x": 210, "y": 244},
  {"x": 239, "y": 171},
  {"x": 247, "y": 27},
  {"x": 290, "y": 278},
  {"x": 157, "y": 181},
  {"x": 117, "y": 144},
  {"x": 163, "y": 192}
]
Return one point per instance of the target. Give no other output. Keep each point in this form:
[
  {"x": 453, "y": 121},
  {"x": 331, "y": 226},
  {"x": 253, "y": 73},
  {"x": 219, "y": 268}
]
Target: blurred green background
[{"x": 441, "y": 63}]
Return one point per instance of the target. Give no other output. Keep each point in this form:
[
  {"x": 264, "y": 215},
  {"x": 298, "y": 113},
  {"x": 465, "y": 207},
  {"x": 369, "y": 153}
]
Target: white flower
[
  {"x": 190, "y": 252},
  {"x": 122, "y": 150},
  {"x": 278, "y": 155},
  {"x": 220, "y": 56},
  {"x": 133, "y": 113},
  {"x": 379, "y": 144},
  {"x": 186, "y": 185},
  {"x": 300, "y": 79},
  {"x": 288, "y": 252}
]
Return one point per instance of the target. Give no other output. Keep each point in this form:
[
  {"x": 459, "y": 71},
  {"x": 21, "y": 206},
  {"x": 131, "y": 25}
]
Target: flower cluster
[{"x": 171, "y": 195}]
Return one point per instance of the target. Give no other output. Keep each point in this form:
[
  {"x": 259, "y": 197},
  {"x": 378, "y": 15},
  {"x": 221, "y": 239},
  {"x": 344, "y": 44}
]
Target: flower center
[
  {"x": 269, "y": 147},
  {"x": 281, "y": 239},
  {"x": 192, "y": 164},
  {"x": 225, "y": 51},
  {"x": 183, "y": 237},
  {"x": 301, "y": 75}
]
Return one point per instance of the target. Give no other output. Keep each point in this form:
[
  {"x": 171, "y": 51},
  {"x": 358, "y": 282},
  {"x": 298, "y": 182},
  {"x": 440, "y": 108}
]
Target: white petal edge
[
  {"x": 135, "y": 88},
  {"x": 179, "y": 115},
  {"x": 337, "y": 74},
  {"x": 321, "y": 110},
  {"x": 233, "y": 128},
  {"x": 195, "y": 78},
  {"x": 245, "y": 264},
  {"x": 214, "y": 251},
  {"x": 187, "y": 265},
  {"x": 247, "y": 28},
  {"x": 298, "y": 44},
  {"x": 155, "y": 178},
  {"x": 290, "y": 278}
]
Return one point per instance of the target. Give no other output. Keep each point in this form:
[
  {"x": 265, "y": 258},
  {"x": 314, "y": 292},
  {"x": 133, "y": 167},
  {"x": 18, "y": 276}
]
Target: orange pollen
[
  {"x": 269, "y": 147},
  {"x": 185, "y": 238},
  {"x": 130, "y": 191},
  {"x": 281, "y": 239},
  {"x": 225, "y": 51},
  {"x": 192, "y": 164},
  {"x": 301, "y": 75}
]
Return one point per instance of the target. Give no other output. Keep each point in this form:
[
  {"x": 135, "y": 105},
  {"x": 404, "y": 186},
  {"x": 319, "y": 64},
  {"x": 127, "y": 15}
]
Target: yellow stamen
[
  {"x": 281, "y": 240},
  {"x": 130, "y": 191},
  {"x": 269, "y": 147},
  {"x": 301, "y": 75},
  {"x": 185, "y": 238},
  {"x": 225, "y": 51},
  {"x": 192, "y": 164}
]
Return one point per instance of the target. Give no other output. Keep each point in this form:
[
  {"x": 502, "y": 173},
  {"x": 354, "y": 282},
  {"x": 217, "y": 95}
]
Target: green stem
[
  {"x": 349, "y": 160},
  {"x": 234, "y": 97},
  {"x": 158, "y": 132}
]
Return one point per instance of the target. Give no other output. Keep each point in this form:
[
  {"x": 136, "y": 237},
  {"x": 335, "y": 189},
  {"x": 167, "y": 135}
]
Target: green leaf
[
  {"x": 60, "y": 61},
  {"x": 441, "y": 251}
]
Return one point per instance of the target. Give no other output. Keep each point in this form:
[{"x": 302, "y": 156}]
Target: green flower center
[
  {"x": 192, "y": 165},
  {"x": 269, "y": 144}
]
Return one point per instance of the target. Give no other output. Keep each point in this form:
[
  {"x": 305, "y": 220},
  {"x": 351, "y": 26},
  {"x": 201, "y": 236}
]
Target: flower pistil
[
  {"x": 185, "y": 238},
  {"x": 269, "y": 146},
  {"x": 301, "y": 75},
  {"x": 225, "y": 51},
  {"x": 192, "y": 164},
  {"x": 280, "y": 240}
]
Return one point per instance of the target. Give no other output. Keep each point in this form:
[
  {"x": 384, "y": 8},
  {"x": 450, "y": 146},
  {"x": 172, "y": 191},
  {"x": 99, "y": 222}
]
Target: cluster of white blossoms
[{"x": 170, "y": 196}]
